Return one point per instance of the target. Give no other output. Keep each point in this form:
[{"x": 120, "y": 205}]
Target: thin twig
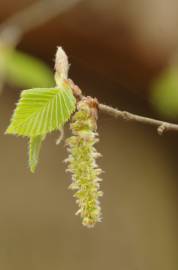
[
  {"x": 162, "y": 126},
  {"x": 31, "y": 17}
]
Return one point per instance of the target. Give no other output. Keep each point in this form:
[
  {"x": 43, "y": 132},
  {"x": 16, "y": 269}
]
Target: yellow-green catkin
[{"x": 82, "y": 163}]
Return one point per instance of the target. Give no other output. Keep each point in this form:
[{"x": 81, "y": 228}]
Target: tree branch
[
  {"x": 161, "y": 125},
  {"x": 62, "y": 67}
]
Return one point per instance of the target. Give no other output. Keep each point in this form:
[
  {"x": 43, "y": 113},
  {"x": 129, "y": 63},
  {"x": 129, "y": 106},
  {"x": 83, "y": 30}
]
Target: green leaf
[
  {"x": 42, "y": 110},
  {"x": 34, "y": 151},
  {"x": 164, "y": 92},
  {"x": 24, "y": 70}
]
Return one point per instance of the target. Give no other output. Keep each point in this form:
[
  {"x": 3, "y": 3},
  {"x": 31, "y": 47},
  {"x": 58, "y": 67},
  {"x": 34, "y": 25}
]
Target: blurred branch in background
[{"x": 33, "y": 16}]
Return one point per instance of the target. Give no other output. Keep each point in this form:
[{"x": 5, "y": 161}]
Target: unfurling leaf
[
  {"x": 42, "y": 110},
  {"x": 34, "y": 151}
]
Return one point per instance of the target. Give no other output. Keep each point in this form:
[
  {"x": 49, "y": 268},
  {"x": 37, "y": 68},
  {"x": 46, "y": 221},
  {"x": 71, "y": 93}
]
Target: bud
[{"x": 61, "y": 66}]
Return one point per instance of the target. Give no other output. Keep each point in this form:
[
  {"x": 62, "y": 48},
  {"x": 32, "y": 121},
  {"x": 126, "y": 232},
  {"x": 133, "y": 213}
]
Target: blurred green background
[{"x": 124, "y": 53}]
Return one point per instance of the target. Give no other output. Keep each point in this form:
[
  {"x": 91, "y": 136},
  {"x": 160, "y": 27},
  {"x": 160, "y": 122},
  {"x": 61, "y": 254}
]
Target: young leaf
[
  {"x": 34, "y": 151},
  {"x": 41, "y": 111},
  {"x": 24, "y": 70}
]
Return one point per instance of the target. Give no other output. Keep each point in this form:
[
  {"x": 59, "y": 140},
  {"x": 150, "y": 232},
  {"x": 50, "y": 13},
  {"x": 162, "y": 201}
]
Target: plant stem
[{"x": 162, "y": 126}]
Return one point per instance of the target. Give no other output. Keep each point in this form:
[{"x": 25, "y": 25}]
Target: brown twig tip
[{"x": 76, "y": 90}]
